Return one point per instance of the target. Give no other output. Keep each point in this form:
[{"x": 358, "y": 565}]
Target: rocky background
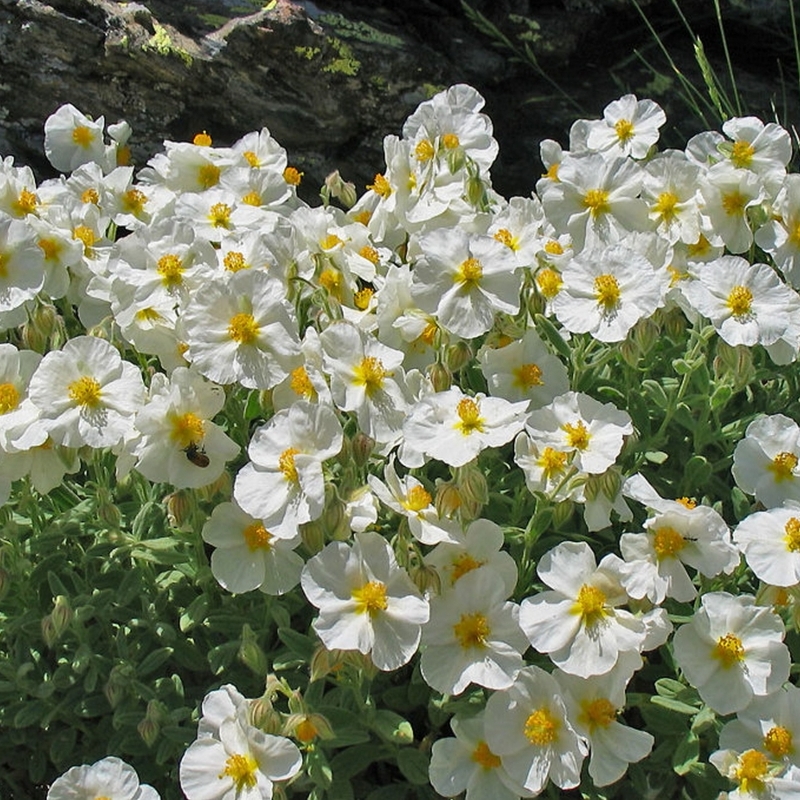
[{"x": 331, "y": 78}]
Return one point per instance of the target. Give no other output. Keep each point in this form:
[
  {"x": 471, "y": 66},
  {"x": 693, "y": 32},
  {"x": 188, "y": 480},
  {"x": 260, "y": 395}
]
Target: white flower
[
  {"x": 72, "y": 139},
  {"x": 109, "y": 779},
  {"x": 629, "y": 127},
  {"x": 22, "y": 270},
  {"x": 473, "y": 636},
  {"x": 247, "y": 555},
  {"x": 219, "y": 705},
  {"x": 763, "y": 149},
  {"x": 19, "y": 427},
  {"x": 770, "y": 541},
  {"x": 757, "y": 777},
  {"x": 579, "y": 624},
  {"x": 366, "y": 601},
  {"x": 669, "y": 188},
  {"x": 732, "y": 650}
]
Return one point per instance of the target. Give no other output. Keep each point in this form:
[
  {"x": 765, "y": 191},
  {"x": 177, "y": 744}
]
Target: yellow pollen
[
  {"x": 792, "y": 537},
  {"x": 469, "y": 415},
  {"x": 742, "y": 154},
  {"x": 330, "y": 241},
  {"x": 667, "y": 542},
  {"x": 485, "y": 757},
  {"x": 9, "y": 397},
  {"x": 252, "y": 199},
  {"x": 85, "y": 392},
  {"x": 624, "y": 130},
  {"x": 577, "y": 434},
  {"x": 552, "y": 461},
  {"x": 606, "y": 291},
  {"x": 554, "y": 248},
  {"x": 734, "y": 203},
  {"x": 665, "y": 205},
  {"x": 794, "y": 235},
  {"x": 362, "y": 297},
  {"x": 750, "y": 772},
  {"x": 699, "y": 248},
  {"x": 51, "y": 248},
  {"x": 740, "y": 301},
  {"x": 783, "y": 466},
  {"x": 687, "y": 502},
  {"x": 251, "y": 158},
  {"x": 220, "y": 215},
  {"x": 363, "y": 217},
  {"x": 676, "y": 275},
  {"x": 424, "y": 151},
  {"x": 123, "y": 155},
  {"x": 90, "y": 196},
  {"x": 257, "y": 537},
  {"x": 380, "y": 186},
  {"x": 370, "y": 374},
  {"x": 541, "y": 727},
  {"x": 243, "y": 328},
  {"x": 596, "y": 200},
  {"x": 552, "y": 172},
  {"x": 599, "y": 713},
  {"x": 133, "y": 201},
  {"x": 300, "y": 383},
  {"x": 170, "y": 268},
  {"x": 463, "y": 564},
  {"x": 286, "y": 464},
  {"x": 370, "y": 253},
  {"x": 148, "y": 314},
  {"x": 417, "y": 499},
  {"x": 293, "y": 176},
  {"x": 590, "y": 604},
  {"x": 371, "y": 598},
  {"x": 450, "y": 141},
  {"x": 331, "y": 280},
  {"x": 26, "y": 203},
  {"x": 469, "y": 272},
  {"x": 472, "y": 630},
  {"x": 202, "y": 139},
  {"x": 527, "y": 376},
  {"x": 83, "y": 233},
  {"x": 82, "y": 136},
  {"x": 729, "y": 650},
  {"x": 504, "y": 236},
  {"x": 778, "y": 741},
  {"x": 428, "y": 334},
  {"x": 187, "y": 429},
  {"x": 233, "y": 261},
  {"x": 242, "y": 769},
  {"x": 208, "y": 175},
  {"x": 549, "y": 282},
  {"x": 306, "y": 731}
]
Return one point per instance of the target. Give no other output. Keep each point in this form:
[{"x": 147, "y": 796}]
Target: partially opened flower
[
  {"x": 72, "y": 139},
  {"x": 107, "y": 779}
]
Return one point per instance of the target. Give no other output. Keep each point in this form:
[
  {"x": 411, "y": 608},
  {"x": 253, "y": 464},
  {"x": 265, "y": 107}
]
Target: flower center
[
  {"x": 148, "y": 314},
  {"x": 187, "y": 429},
  {"x": 739, "y": 301},
  {"x": 598, "y": 713},
  {"x": 306, "y": 731},
  {"x": 665, "y": 205},
  {"x": 82, "y": 136},
  {"x": 729, "y": 650},
  {"x": 596, "y": 200},
  {"x": 417, "y": 499},
  {"x": 362, "y": 298},
  {"x": 371, "y": 598},
  {"x": 85, "y": 392},
  {"x": 667, "y": 542},
  {"x": 233, "y": 261},
  {"x": 541, "y": 727},
  {"x": 783, "y": 465},
  {"x": 202, "y": 139},
  {"x": 624, "y": 130},
  {"x": 606, "y": 291},
  {"x": 90, "y": 195},
  {"x": 330, "y": 241},
  {"x": 742, "y": 154},
  {"x": 220, "y": 215},
  {"x": 331, "y": 280},
  {"x": 469, "y": 414},
  {"x": 552, "y": 461},
  {"x": 370, "y": 253},
  {"x": 133, "y": 201},
  {"x": 170, "y": 268},
  {"x": 292, "y": 176},
  {"x": 794, "y": 235},
  {"x": 472, "y": 630},
  {"x": 504, "y": 236},
  {"x": 549, "y": 282},
  {"x": 463, "y": 564},
  {"x": 778, "y": 741},
  {"x": 554, "y": 248},
  {"x": 242, "y": 769},
  {"x": 257, "y": 537},
  {"x": 424, "y": 151},
  {"x": 51, "y": 248},
  {"x": 590, "y": 604},
  {"x": 380, "y": 186},
  {"x": 251, "y": 158},
  {"x": 208, "y": 175},
  {"x": 9, "y": 397},
  {"x": 792, "y": 537},
  {"x": 252, "y": 199},
  {"x": 26, "y": 202},
  {"x": 83, "y": 233},
  {"x": 750, "y": 772},
  {"x": 577, "y": 434},
  {"x": 733, "y": 203},
  {"x": 286, "y": 464},
  {"x": 485, "y": 757},
  {"x": 243, "y": 328},
  {"x": 370, "y": 374},
  {"x": 450, "y": 141},
  {"x": 469, "y": 272},
  {"x": 527, "y": 376},
  {"x": 300, "y": 383}
]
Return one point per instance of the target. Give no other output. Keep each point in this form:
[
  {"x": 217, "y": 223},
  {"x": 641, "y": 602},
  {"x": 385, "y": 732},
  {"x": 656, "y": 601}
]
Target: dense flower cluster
[{"x": 403, "y": 356}]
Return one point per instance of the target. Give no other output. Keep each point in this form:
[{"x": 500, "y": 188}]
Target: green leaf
[
  {"x": 352, "y": 760},
  {"x": 675, "y": 705},
  {"x": 392, "y": 727},
  {"x": 686, "y": 754},
  {"x": 222, "y": 656},
  {"x": 697, "y": 472},
  {"x": 550, "y": 332},
  {"x": 655, "y": 393},
  {"x": 299, "y": 644},
  {"x": 413, "y": 764},
  {"x": 318, "y": 769},
  {"x": 152, "y": 661},
  {"x": 30, "y": 714},
  {"x": 668, "y": 687},
  {"x": 194, "y": 614}
]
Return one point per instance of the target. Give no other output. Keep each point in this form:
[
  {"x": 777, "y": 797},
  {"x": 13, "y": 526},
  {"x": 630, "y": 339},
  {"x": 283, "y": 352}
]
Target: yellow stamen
[
  {"x": 362, "y": 298},
  {"x": 90, "y": 196},
  {"x": 606, "y": 291},
  {"x": 742, "y": 154},
  {"x": 450, "y": 141},
  {"x": 208, "y": 175},
  {"x": 330, "y": 241},
  {"x": 220, "y": 215},
  {"x": 469, "y": 272},
  {"x": 554, "y": 248},
  {"x": 527, "y": 376},
  {"x": 242, "y": 769},
  {"x": 51, "y": 248},
  {"x": 783, "y": 466},
  {"x": 549, "y": 282},
  {"x": 590, "y": 605},
  {"x": 577, "y": 434},
  {"x": 599, "y": 713},
  {"x": 380, "y": 186},
  {"x": 202, "y": 139},
  {"x": 251, "y": 158},
  {"x": 370, "y": 374},
  {"x": 541, "y": 727},
  {"x": 778, "y": 741},
  {"x": 363, "y": 217},
  {"x": 665, "y": 206},
  {"x": 740, "y": 301},
  {"x": 306, "y": 731},
  {"x": 728, "y": 650},
  {"x": 792, "y": 537},
  {"x": 463, "y": 564},
  {"x": 371, "y": 598},
  {"x": 243, "y": 328},
  {"x": 667, "y": 542},
  {"x": 552, "y": 172},
  {"x": 233, "y": 261},
  {"x": 148, "y": 314},
  {"x": 417, "y": 499},
  {"x": 187, "y": 429},
  {"x": 9, "y": 397},
  {"x": 794, "y": 235},
  {"x": 700, "y": 248},
  {"x": 331, "y": 280},
  {"x": 370, "y": 253},
  {"x": 504, "y": 236},
  {"x": 552, "y": 462},
  {"x": 170, "y": 268},
  {"x": 687, "y": 502},
  {"x": 469, "y": 415},
  {"x": 424, "y": 151},
  {"x": 300, "y": 383},
  {"x": 596, "y": 200},
  {"x": 472, "y": 630},
  {"x": 133, "y": 201},
  {"x": 286, "y": 464},
  {"x": 485, "y": 757},
  {"x": 252, "y": 199},
  {"x": 26, "y": 203},
  {"x": 292, "y": 176},
  {"x": 257, "y": 537},
  {"x": 750, "y": 772},
  {"x": 82, "y": 136},
  {"x": 624, "y": 130},
  {"x": 83, "y": 233},
  {"x": 733, "y": 203},
  {"x": 123, "y": 155}
]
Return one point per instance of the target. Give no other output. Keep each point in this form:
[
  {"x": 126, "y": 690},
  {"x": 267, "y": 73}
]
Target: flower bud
[
  {"x": 41, "y": 325},
  {"x": 675, "y": 324},
  {"x": 313, "y": 535},
  {"x": 5, "y": 582},
  {"x": 336, "y": 187},
  {"x": 180, "y": 505},
  {"x": 362, "y": 447},
  {"x": 334, "y": 520},
  {"x": 265, "y": 716},
  {"x": 250, "y": 654},
  {"x": 325, "y": 662},
  {"x": 61, "y": 615},
  {"x": 645, "y": 333},
  {"x": 472, "y": 484},
  {"x": 119, "y": 681},
  {"x": 629, "y": 351},
  {"x": 440, "y": 377},
  {"x": 426, "y": 579},
  {"x": 562, "y": 512},
  {"x": 221, "y": 486},
  {"x": 448, "y": 499},
  {"x": 457, "y": 356},
  {"x": 148, "y": 729}
]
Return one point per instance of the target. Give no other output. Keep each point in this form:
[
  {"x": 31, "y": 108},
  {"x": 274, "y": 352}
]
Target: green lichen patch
[
  {"x": 360, "y": 31},
  {"x": 161, "y": 42},
  {"x": 345, "y": 62}
]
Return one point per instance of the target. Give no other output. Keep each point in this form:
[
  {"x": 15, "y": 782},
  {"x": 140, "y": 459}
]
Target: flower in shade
[{"x": 107, "y": 779}]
